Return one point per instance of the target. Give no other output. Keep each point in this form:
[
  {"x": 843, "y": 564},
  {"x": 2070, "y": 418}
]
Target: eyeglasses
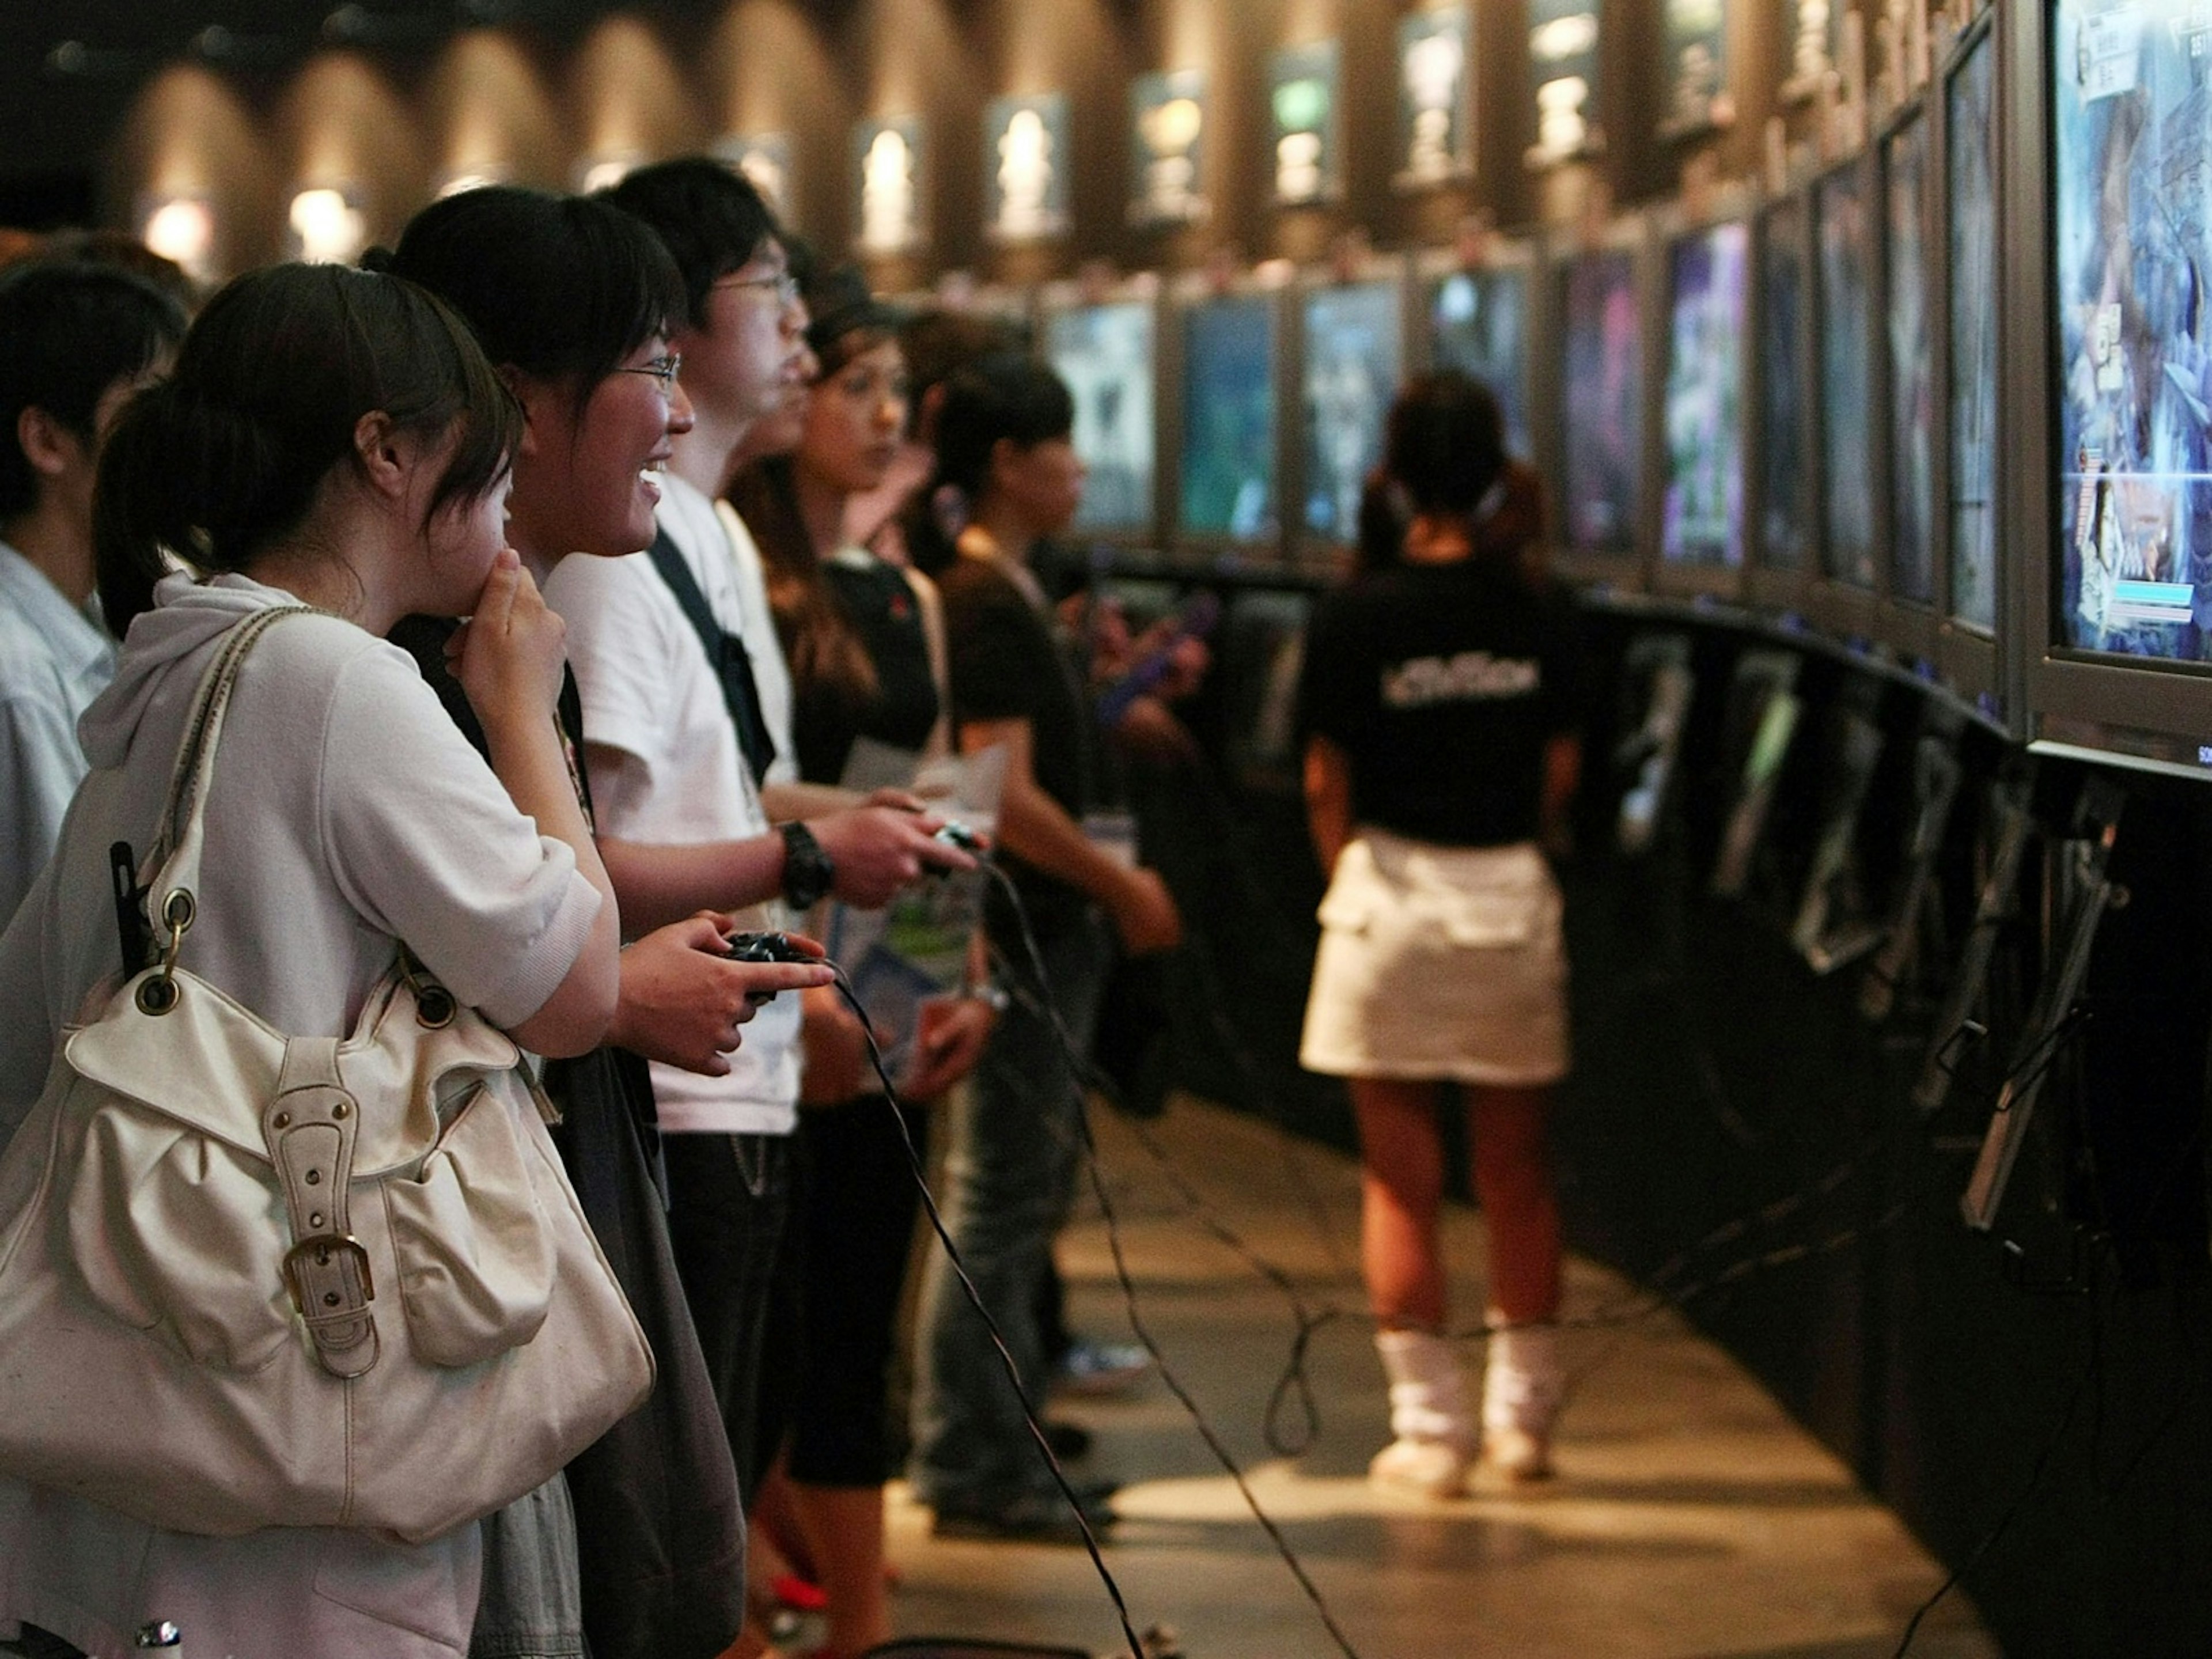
[
  {"x": 782, "y": 283},
  {"x": 663, "y": 369}
]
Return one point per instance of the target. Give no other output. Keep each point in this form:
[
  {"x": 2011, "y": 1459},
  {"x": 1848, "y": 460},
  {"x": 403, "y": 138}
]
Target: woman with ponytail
[
  {"x": 335, "y": 440},
  {"x": 1437, "y": 705}
]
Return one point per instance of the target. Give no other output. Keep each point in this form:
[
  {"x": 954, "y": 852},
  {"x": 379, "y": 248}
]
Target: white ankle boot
[
  {"x": 1435, "y": 1439},
  {"x": 1522, "y": 1387}
]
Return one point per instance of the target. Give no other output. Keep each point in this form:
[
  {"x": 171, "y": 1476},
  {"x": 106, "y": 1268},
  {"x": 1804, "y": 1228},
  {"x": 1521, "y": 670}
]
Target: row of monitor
[{"x": 1951, "y": 399}]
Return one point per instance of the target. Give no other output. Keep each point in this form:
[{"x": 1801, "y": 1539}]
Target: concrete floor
[{"x": 1691, "y": 1516}]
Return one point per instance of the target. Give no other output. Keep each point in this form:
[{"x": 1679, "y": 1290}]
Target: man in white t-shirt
[{"x": 667, "y": 654}]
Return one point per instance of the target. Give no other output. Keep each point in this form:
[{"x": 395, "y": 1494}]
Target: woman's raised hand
[{"x": 509, "y": 654}]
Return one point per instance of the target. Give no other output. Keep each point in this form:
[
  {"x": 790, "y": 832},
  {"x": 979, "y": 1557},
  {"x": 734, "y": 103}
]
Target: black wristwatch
[{"x": 807, "y": 870}]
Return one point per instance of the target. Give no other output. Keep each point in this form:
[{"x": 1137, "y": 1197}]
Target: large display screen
[
  {"x": 1970, "y": 137},
  {"x": 1845, "y": 395},
  {"x": 1479, "y": 324},
  {"x": 1602, "y": 373},
  {"x": 1701, "y": 522},
  {"x": 2131, "y": 158},
  {"x": 1105, "y": 354},
  {"x": 1911, "y": 367},
  {"x": 1354, "y": 358},
  {"x": 1229, "y": 419},
  {"x": 1785, "y": 497}
]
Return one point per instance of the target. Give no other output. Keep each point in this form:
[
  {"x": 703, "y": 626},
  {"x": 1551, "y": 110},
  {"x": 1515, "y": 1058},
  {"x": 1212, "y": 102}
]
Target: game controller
[
  {"x": 764, "y": 947},
  {"x": 956, "y": 834}
]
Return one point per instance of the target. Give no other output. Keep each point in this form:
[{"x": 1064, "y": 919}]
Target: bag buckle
[{"x": 320, "y": 1245}]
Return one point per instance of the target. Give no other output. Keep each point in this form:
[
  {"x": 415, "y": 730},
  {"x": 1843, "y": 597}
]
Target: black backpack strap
[{"x": 726, "y": 655}]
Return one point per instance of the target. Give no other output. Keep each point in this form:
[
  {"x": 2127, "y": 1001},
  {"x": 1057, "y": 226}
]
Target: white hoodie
[{"x": 346, "y": 811}]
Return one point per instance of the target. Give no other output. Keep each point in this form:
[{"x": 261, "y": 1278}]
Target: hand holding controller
[
  {"x": 953, "y": 833},
  {"x": 769, "y": 947}
]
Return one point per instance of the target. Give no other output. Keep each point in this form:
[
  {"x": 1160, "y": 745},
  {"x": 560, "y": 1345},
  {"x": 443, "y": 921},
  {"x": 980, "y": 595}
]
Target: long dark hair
[
  {"x": 560, "y": 287},
  {"x": 1008, "y": 395},
  {"x": 224, "y": 457}
]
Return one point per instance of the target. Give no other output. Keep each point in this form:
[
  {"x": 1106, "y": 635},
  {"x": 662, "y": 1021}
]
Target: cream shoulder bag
[{"x": 249, "y": 1281}]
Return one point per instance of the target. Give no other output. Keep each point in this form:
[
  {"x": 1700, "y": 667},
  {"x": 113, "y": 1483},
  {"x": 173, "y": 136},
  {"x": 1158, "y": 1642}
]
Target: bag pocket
[
  {"x": 474, "y": 1251},
  {"x": 180, "y": 1236}
]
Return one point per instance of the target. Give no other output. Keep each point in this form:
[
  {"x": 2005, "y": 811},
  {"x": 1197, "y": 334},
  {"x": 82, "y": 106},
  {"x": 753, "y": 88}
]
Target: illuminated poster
[
  {"x": 1167, "y": 125},
  {"x": 1302, "y": 98},
  {"x": 1970, "y": 136},
  {"x": 1026, "y": 168},
  {"x": 1911, "y": 369},
  {"x": 765, "y": 158},
  {"x": 1810, "y": 27},
  {"x": 1698, "y": 98},
  {"x": 1435, "y": 140},
  {"x": 1562, "y": 36},
  {"x": 888, "y": 164},
  {"x": 1701, "y": 521},
  {"x": 1846, "y": 391}
]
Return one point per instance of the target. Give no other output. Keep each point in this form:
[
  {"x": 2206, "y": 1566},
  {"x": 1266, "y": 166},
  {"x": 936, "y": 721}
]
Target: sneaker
[
  {"x": 1433, "y": 1468},
  {"x": 1099, "y": 1368},
  {"x": 1523, "y": 1386},
  {"x": 1031, "y": 1518},
  {"x": 1521, "y": 1454}
]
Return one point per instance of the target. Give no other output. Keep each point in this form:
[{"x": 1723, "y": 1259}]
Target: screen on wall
[
  {"x": 2131, "y": 159},
  {"x": 1353, "y": 361},
  {"x": 1602, "y": 375},
  {"x": 1911, "y": 367},
  {"x": 1478, "y": 323},
  {"x": 1701, "y": 521},
  {"x": 1846, "y": 405},
  {"x": 1969, "y": 135},
  {"x": 1783, "y": 533},
  {"x": 1229, "y": 419},
  {"x": 1105, "y": 353}
]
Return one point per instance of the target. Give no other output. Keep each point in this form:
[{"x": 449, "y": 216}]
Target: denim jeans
[
  {"x": 1015, "y": 1150},
  {"x": 531, "y": 1606}
]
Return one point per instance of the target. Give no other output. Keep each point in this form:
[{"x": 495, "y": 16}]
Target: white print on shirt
[{"x": 1470, "y": 676}]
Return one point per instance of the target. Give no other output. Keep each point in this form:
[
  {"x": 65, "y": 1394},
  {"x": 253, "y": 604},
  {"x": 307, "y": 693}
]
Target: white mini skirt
[{"x": 1442, "y": 963}]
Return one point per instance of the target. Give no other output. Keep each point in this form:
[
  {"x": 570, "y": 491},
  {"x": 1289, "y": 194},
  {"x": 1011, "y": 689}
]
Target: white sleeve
[
  {"x": 426, "y": 844},
  {"x": 40, "y": 765},
  {"x": 622, "y": 651}
]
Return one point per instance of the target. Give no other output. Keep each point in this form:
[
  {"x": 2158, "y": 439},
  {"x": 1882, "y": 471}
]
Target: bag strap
[
  {"x": 726, "y": 655},
  {"x": 173, "y": 864},
  {"x": 311, "y": 1126}
]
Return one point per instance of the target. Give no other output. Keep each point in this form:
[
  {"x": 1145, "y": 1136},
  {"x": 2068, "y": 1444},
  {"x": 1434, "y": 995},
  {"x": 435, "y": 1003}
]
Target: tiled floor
[{"x": 1691, "y": 1517}]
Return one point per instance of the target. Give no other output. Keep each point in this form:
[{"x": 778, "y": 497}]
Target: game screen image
[
  {"x": 2131, "y": 120},
  {"x": 1353, "y": 363},
  {"x": 1105, "y": 353},
  {"x": 1702, "y": 522},
  {"x": 1478, "y": 325},
  {"x": 1846, "y": 401},
  {"x": 1911, "y": 369},
  {"x": 1603, "y": 403},
  {"x": 1973, "y": 425},
  {"x": 1229, "y": 419},
  {"x": 1782, "y": 531}
]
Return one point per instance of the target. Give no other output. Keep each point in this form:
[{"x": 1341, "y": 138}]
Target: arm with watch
[{"x": 863, "y": 855}]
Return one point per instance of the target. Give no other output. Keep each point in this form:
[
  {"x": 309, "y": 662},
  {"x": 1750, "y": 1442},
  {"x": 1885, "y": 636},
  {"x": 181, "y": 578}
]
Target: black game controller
[
  {"x": 953, "y": 833},
  {"x": 764, "y": 947}
]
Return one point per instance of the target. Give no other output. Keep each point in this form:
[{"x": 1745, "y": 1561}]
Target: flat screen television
[
  {"x": 1107, "y": 352},
  {"x": 1601, "y": 404},
  {"x": 1784, "y": 527},
  {"x": 1478, "y": 323},
  {"x": 2131, "y": 161},
  {"x": 1911, "y": 365},
  {"x": 1351, "y": 361},
  {"x": 1970, "y": 164},
  {"x": 1227, "y": 485},
  {"x": 1701, "y": 513},
  {"x": 1843, "y": 224}
]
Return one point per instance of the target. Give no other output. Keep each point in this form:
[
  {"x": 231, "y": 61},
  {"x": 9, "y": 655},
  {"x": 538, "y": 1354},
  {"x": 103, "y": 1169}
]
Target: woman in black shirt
[{"x": 1436, "y": 705}]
